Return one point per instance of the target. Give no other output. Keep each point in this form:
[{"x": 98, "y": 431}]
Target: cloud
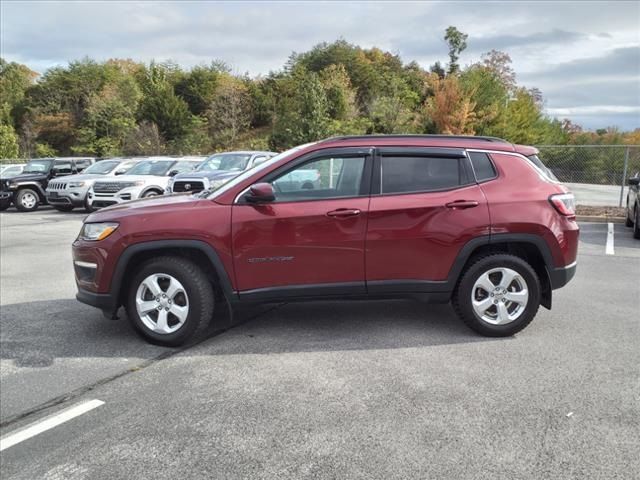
[{"x": 580, "y": 54}]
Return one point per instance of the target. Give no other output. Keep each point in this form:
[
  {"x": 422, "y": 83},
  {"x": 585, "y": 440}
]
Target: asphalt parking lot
[{"x": 384, "y": 389}]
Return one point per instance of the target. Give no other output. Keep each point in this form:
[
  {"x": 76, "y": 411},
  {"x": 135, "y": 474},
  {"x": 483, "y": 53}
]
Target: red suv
[{"x": 473, "y": 220}]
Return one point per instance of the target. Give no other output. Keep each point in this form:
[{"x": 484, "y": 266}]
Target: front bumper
[
  {"x": 103, "y": 301},
  {"x": 101, "y": 200},
  {"x": 559, "y": 277},
  {"x": 4, "y": 195},
  {"x": 71, "y": 197}
]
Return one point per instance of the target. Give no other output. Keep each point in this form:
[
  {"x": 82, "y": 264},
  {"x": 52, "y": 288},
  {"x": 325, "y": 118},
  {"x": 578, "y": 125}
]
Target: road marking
[
  {"x": 47, "y": 423},
  {"x": 609, "y": 248}
]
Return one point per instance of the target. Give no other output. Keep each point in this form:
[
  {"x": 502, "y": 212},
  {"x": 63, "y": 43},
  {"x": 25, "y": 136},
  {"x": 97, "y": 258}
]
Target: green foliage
[
  {"x": 45, "y": 150},
  {"x": 8, "y": 142},
  {"x": 122, "y": 107},
  {"x": 457, "y": 42}
]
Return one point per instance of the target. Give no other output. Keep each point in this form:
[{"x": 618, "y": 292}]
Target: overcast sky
[{"x": 583, "y": 55}]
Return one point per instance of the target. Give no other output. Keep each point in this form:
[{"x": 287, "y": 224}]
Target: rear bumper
[{"x": 561, "y": 276}]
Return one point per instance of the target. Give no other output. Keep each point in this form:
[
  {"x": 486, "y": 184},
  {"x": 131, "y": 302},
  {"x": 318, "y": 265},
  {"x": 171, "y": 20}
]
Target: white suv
[{"x": 147, "y": 179}]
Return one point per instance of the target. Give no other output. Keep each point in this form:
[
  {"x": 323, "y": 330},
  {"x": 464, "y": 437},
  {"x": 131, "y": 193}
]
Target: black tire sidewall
[
  {"x": 63, "y": 208},
  {"x": 196, "y": 286},
  {"x": 636, "y": 224},
  {"x": 463, "y": 294},
  {"x": 4, "y": 204},
  {"x": 18, "y": 200}
]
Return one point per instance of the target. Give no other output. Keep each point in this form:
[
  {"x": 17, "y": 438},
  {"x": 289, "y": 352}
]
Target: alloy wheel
[
  {"x": 499, "y": 296},
  {"x": 162, "y": 303}
]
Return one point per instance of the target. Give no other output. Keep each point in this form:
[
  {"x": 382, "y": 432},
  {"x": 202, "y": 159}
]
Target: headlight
[
  {"x": 76, "y": 184},
  {"x": 97, "y": 231}
]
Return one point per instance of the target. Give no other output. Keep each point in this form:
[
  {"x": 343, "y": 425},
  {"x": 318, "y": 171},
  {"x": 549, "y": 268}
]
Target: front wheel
[
  {"x": 168, "y": 299},
  {"x": 150, "y": 193},
  {"x": 498, "y": 295},
  {"x": 27, "y": 200}
]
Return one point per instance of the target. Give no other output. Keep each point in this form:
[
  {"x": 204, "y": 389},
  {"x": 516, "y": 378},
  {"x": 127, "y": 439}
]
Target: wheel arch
[
  {"x": 200, "y": 252},
  {"x": 531, "y": 248},
  {"x": 33, "y": 186},
  {"x": 151, "y": 188}
]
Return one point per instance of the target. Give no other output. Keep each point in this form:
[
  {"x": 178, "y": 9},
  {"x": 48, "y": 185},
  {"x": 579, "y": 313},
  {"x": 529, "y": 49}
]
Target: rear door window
[{"x": 407, "y": 174}]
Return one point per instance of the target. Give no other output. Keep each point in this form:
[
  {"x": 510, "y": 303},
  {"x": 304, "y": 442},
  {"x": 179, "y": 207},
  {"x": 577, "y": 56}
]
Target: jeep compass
[{"x": 476, "y": 221}]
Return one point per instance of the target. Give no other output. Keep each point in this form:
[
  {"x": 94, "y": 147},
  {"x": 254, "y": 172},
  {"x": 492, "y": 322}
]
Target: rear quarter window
[{"x": 482, "y": 166}]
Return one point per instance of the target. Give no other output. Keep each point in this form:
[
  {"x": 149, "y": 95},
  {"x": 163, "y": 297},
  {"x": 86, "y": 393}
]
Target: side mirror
[
  {"x": 173, "y": 173},
  {"x": 260, "y": 192},
  {"x": 120, "y": 171},
  {"x": 634, "y": 181}
]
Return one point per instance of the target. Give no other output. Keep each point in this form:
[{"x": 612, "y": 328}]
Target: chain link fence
[{"x": 597, "y": 174}]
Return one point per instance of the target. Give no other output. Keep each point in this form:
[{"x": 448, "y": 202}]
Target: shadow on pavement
[{"x": 35, "y": 334}]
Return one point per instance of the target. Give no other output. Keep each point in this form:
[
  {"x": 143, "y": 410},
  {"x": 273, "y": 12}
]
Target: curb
[{"x": 598, "y": 219}]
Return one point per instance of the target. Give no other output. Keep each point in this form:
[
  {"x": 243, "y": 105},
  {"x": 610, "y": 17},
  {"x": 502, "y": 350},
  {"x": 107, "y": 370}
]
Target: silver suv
[{"x": 67, "y": 193}]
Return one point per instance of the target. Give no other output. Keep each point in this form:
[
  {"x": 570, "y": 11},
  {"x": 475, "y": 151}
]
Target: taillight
[{"x": 564, "y": 203}]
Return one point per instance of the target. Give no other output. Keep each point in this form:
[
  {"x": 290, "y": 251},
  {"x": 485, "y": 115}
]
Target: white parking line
[
  {"x": 47, "y": 423},
  {"x": 609, "y": 247}
]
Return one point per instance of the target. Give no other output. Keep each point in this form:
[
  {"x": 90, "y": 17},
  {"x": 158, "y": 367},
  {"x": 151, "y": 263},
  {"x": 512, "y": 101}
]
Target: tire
[
  {"x": 491, "y": 323},
  {"x": 628, "y": 214},
  {"x": 87, "y": 206},
  {"x": 636, "y": 224},
  {"x": 4, "y": 205},
  {"x": 195, "y": 292},
  {"x": 151, "y": 193},
  {"x": 63, "y": 208},
  {"x": 26, "y": 200}
]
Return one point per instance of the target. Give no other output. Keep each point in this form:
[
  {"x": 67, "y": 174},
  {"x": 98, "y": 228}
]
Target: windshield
[
  {"x": 103, "y": 167},
  {"x": 538, "y": 163},
  {"x": 11, "y": 171},
  {"x": 152, "y": 167},
  {"x": 225, "y": 161},
  {"x": 249, "y": 173},
  {"x": 184, "y": 167},
  {"x": 38, "y": 166}
]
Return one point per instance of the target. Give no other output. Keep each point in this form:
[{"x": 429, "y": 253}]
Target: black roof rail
[{"x": 447, "y": 137}]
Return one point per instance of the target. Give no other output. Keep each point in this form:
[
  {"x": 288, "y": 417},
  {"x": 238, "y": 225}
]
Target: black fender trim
[
  {"x": 131, "y": 251},
  {"x": 34, "y": 186}
]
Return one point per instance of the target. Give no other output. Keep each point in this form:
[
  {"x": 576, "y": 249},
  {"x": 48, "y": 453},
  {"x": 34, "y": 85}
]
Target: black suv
[
  {"x": 633, "y": 205},
  {"x": 27, "y": 190}
]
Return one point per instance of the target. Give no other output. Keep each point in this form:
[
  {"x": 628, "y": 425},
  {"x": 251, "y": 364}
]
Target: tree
[
  {"x": 341, "y": 97},
  {"x": 8, "y": 142},
  {"x": 457, "y": 42},
  {"x": 145, "y": 139},
  {"x": 500, "y": 64},
  {"x": 451, "y": 109},
  {"x": 15, "y": 79},
  {"x": 230, "y": 110}
]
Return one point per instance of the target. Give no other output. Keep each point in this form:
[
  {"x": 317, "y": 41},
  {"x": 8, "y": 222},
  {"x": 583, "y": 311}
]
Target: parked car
[
  {"x": 633, "y": 205},
  {"x": 470, "y": 220},
  {"x": 72, "y": 191},
  {"x": 11, "y": 170},
  {"x": 27, "y": 190},
  {"x": 217, "y": 170},
  {"x": 146, "y": 179}
]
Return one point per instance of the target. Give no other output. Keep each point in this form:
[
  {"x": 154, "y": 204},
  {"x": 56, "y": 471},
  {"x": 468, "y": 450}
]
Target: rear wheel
[
  {"x": 636, "y": 224},
  {"x": 63, "y": 208},
  {"x": 169, "y": 298},
  {"x": 628, "y": 217},
  {"x": 27, "y": 200},
  {"x": 498, "y": 295}
]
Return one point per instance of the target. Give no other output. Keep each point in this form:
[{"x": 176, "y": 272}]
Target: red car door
[
  {"x": 310, "y": 239},
  {"x": 426, "y": 206}
]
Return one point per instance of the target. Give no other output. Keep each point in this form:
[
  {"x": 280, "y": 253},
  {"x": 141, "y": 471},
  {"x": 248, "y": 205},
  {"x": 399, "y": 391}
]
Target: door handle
[
  {"x": 344, "y": 212},
  {"x": 462, "y": 204}
]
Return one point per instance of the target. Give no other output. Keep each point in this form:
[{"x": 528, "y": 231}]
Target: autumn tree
[
  {"x": 451, "y": 108},
  {"x": 230, "y": 110}
]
